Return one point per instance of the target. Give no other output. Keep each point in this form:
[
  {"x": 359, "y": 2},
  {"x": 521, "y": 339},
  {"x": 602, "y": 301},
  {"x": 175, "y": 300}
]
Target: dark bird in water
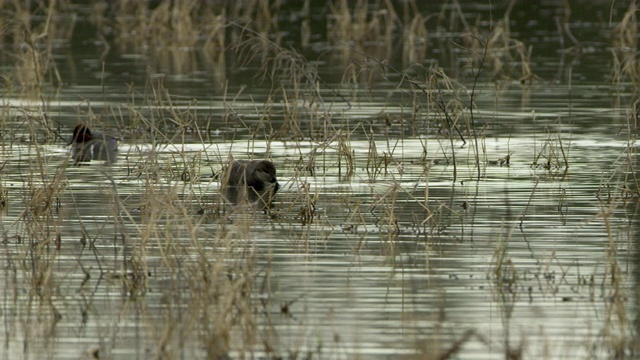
[
  {"x": 92, "y": 145},
  {"x": 251, "y": 182}
]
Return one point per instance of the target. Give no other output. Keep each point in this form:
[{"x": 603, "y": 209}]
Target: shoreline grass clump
[{"x": 34, "y": 33}]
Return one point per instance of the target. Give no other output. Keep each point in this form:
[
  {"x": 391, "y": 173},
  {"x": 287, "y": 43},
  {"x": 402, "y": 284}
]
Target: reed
[
  {"x": 361, "y": 28},
  {"x": 295, "y": 87},
  {"x": 415, "y": 35},
  {"x": 552, "y": 155},
  {"x": 625, "y": 43}
]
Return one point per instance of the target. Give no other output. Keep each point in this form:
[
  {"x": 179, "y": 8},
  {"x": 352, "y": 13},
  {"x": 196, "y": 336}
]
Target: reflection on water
[{"x": 406, "y": 226}]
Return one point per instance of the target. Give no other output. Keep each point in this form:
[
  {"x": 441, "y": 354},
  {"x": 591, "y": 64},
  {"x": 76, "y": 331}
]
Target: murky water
[{"x": 406, "y": 226}]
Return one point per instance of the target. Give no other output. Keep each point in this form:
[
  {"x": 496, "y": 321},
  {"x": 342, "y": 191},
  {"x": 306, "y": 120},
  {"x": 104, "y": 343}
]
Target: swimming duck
[
  {"x": 251, "y": 181},
  {"x": 88, "y": 145}
]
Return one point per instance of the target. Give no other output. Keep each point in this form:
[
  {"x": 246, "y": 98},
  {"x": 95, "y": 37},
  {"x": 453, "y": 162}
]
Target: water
[{"x": 386, "y": 240}]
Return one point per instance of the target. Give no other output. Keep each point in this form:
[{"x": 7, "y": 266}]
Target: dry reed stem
[{"x": 625, "y": 45}]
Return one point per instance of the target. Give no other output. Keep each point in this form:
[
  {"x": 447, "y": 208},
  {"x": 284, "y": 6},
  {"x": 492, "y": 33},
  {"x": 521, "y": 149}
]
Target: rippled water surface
[{"x": 407, "y": 225}]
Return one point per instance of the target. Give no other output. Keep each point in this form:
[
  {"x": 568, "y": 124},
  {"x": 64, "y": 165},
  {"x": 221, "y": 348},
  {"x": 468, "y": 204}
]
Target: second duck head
[{"x": 88, "y": 145}]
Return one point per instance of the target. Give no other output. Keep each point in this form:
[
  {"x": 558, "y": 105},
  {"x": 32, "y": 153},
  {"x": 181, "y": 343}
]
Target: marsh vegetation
[{"x": 455, "y": 180}]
